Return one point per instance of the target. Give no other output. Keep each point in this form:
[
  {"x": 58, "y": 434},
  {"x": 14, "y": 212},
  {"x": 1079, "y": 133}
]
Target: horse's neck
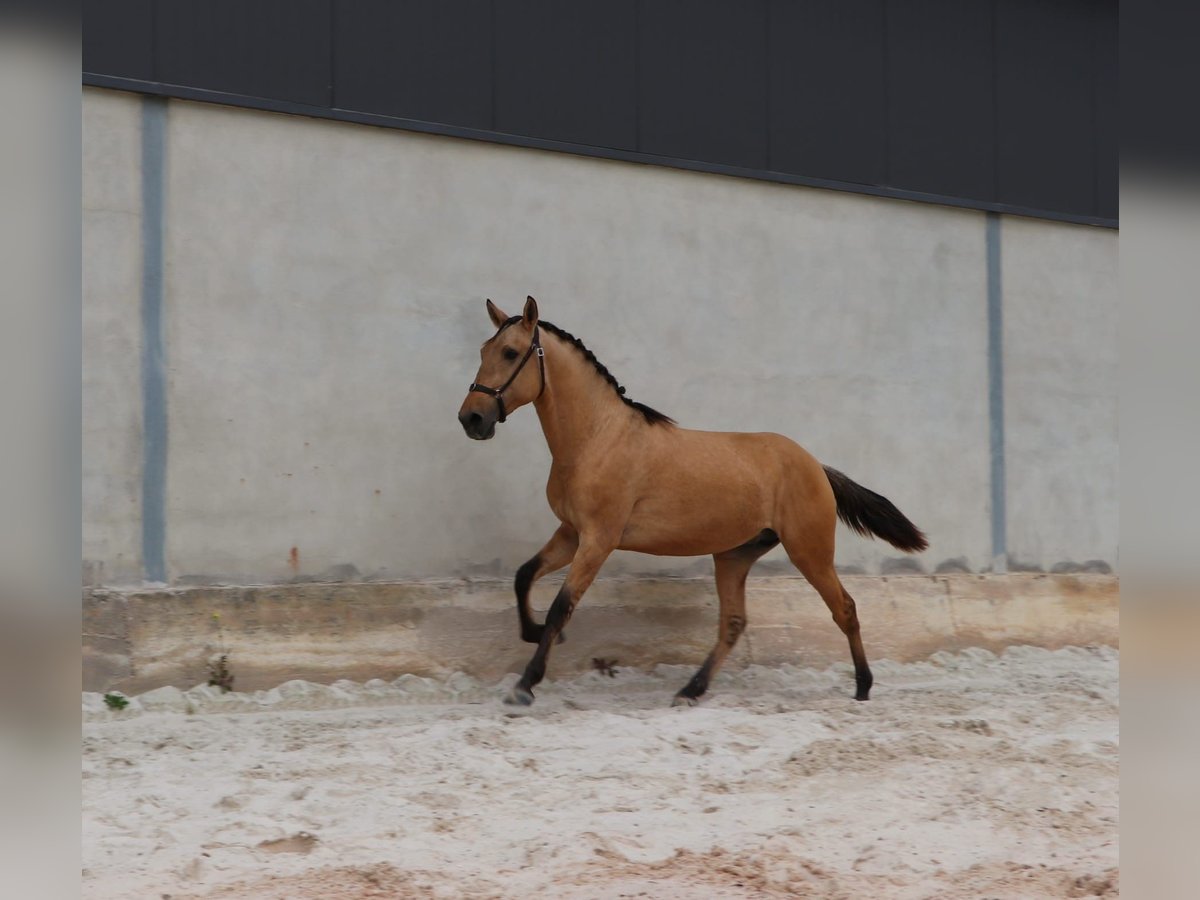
[{"x": 577, "y": 406}]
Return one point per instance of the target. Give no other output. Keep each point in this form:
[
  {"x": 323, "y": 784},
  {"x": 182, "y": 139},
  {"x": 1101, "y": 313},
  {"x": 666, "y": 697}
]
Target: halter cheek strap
[{"x": 535, "y": 346}]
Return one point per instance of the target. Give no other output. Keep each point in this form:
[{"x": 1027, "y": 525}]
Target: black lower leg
[
  {"x": 696, "y": 688},
  {"x": 556, "y": 618},
  {"x": 862, "y": 672},
  {"x": 862, "y": 681},
  {"x": 531, "y": 632}
]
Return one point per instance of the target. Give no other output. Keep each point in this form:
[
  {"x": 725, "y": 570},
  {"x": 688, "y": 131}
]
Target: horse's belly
[{"x": 682, "y": 528}]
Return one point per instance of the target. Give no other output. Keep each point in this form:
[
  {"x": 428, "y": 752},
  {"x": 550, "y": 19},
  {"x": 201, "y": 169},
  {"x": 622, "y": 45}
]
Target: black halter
[{"x": 534, "y": 346}]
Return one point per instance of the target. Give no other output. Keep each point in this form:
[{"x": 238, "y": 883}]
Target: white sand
[{"x": 966, "y": 776}]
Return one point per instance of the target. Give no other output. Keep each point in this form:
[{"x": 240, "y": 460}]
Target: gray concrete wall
[
  {"x": 1061, "y": 365},
  {"x": 324, "y": 306},
  {"x": 112, "y": 399}
]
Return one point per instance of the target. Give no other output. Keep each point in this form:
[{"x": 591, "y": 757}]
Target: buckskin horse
[{"x": 626, "y": 477}]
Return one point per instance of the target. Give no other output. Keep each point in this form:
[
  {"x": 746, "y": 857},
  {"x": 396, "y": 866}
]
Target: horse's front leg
[
  {"x": 593, "y": 550},
  {"x": 559, "y": 551}
]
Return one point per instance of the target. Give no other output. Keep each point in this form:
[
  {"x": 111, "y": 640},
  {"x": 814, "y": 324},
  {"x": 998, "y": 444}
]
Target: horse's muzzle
[{"x": 478, "y": 426}]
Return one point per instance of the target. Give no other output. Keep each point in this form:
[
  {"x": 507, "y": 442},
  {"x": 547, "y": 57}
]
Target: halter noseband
[{"x": 534, "y": 346}]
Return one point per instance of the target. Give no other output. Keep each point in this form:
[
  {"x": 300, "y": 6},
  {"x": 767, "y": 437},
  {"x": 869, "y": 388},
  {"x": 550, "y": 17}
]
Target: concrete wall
[
  {"x": 1060, "y": 384},
  {"x": 112, "y": 398},
  {"x": 324, "y": 306},
  {"x": 136, "y": 640}
]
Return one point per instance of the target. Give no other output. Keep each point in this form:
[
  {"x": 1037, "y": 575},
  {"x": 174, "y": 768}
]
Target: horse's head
[{"x": 504, "y": 381}]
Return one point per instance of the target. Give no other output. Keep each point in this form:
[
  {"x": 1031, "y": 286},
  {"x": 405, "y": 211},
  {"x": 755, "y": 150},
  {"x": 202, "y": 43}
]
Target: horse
[{"x": 626, "y": 477}]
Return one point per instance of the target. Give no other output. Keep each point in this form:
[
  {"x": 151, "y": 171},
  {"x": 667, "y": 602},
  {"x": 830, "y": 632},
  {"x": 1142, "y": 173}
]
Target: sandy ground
[{"x": 967, "y": 776}]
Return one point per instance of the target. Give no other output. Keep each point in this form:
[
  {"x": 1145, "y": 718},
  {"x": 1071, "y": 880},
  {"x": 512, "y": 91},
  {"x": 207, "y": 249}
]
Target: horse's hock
[{"x": 136, "y": 640}]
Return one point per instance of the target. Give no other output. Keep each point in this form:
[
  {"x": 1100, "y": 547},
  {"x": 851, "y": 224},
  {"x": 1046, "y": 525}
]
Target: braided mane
[{"x": 652, "y": 416}]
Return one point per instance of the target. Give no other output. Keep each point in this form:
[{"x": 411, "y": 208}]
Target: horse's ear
[
  {"x": 497, "y": 315},
  {"x": 531, "y": 312}
]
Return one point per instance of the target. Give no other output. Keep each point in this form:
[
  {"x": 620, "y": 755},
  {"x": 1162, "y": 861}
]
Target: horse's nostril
[{"x": 471, "y": 422}]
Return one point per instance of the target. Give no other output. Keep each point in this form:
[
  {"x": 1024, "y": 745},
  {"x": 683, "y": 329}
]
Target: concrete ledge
[{"x": 136, "y": 640}]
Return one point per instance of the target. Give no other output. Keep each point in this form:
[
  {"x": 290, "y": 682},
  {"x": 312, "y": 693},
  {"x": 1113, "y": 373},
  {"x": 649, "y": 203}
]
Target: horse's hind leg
[
  {"x": 731, "y": 570},
  {"x": 559, "y": 551},
  {"x": 823, "y": 576}
]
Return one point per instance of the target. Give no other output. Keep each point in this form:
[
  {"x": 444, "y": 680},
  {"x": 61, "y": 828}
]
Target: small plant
[
  {"x": 605, "y": 666},
  {"x": 218, "y": 668},
  {"x": 116, "y": 700},
  {"x": 219, "y": 674}
]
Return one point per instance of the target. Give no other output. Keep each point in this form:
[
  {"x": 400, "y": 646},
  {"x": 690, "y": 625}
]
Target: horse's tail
[{"x": 869, "y": 513}]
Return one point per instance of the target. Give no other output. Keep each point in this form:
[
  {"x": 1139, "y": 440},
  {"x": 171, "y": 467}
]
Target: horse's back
[
  {"x": 785, "y": 470},
  {"x": 765, "y": 451}
]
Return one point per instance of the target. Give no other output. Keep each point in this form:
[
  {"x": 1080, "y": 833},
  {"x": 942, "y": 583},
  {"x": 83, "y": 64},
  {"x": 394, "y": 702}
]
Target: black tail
[{"x": 868, "y": 513}]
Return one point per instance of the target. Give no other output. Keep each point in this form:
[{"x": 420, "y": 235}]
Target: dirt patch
[{"x": 968, "y": 775}]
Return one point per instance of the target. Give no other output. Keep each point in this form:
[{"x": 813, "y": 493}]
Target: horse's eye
[{"x": 510, "y": 353}]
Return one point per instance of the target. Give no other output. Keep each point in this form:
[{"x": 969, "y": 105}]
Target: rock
[{"x": 164, "y": 699}]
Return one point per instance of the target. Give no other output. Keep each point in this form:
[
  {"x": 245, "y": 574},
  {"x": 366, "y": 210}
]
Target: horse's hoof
[
  {"x": 519, "y": 696},
  {"x": 862, "y": 697},
  {"x": 681, "y": 700}
]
